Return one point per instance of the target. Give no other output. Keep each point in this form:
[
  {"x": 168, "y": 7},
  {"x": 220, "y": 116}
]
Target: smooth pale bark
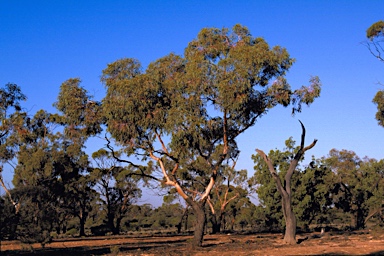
[{"x": 16, "y": 205}]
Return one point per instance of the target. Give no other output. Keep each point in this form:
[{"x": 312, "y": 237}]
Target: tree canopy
[{"x": 185, "y": 112}]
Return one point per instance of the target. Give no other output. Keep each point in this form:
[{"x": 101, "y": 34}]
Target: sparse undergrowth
[{"x": 332, "y": 243}]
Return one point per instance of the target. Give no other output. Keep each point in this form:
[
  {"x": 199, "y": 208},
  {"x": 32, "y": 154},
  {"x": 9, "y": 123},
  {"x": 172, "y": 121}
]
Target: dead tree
[{"x": 285, "y": 189}]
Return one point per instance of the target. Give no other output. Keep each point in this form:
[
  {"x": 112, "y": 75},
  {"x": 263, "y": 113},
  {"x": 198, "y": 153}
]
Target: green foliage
[
  {"x": 80, "y": 114},
  {"x": 359, "y": 184},
  {"x": 379, "y": 101},
  {"x": 266, "y": 189},
  {"x": 72, "y": 232},
  {"x": 199, "y": 102},
  {"x": 36, "y": 215},
  {"x": 310, "y": 188},
  {"x": 375, "y": 34},
  {"x": 376, "y": 30},
  {"x": 12, "y": 119},
  {"x": 8, "y": 219},
  {"x": 117, "y": 187},
  {"x": 312, "y": 198}
]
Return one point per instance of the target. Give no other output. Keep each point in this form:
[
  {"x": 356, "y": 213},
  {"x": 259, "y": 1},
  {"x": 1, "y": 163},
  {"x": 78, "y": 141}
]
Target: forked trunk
[{"x": 286, "y": 190}]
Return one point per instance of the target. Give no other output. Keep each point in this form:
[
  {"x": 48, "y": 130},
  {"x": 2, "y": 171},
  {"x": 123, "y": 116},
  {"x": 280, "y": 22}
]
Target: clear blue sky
[{"x": 44, "y": 43}]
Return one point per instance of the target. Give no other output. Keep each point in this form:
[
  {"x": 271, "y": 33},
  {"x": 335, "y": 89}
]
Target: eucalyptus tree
[
  {"x": 359, "y": 186},
  {"x": 375, "y": 35},
  {"x": 374, "y": 170},
  {"x": 52, "y": 158},
  {"x": 284, "y": 185},
  {"x": 185, "y": 112},
  {"x": 12, "y": 119},
  {"x": 118, "y": 189},
  {"x": 313, "y": 193},
  {"x": 81, "y": 117},
  {"x": 36, "y": 180}
]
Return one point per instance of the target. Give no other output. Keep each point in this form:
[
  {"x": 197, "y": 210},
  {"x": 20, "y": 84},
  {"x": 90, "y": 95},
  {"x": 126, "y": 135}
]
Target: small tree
[
  {"x": 284, "y": 187},
  {"x": 118, "y": 189}
]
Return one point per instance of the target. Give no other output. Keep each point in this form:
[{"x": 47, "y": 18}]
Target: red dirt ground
[{"x": 233, "y": 244}]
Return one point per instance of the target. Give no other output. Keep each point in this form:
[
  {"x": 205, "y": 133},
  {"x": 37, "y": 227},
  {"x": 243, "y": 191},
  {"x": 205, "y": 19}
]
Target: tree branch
[
  {"x": 272, "y": 170},
  {"x": 142, "y": 173},
  {"x": 16, "y": 205}
]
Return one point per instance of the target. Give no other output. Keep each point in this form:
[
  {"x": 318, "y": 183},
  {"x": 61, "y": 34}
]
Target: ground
[{"x": 350, "y": 243}]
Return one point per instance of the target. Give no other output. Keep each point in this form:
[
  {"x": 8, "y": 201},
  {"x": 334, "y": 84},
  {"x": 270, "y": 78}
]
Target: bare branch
[
  {"x": 272, "y": 170},
  {"x": 140, "y": 168}
]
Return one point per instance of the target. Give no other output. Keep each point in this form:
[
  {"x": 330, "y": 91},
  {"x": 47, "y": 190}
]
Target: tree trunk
[
  {"x": 179, "y": 225},
  {"x": 82, "y": 225},
  {"x": 290, "y": 221},
  {"x": 357, "y": 219},
  {"x": 215, "y": 224},
  {"x": 199, "y": 212},
  {"x": 116, "y": 229}
]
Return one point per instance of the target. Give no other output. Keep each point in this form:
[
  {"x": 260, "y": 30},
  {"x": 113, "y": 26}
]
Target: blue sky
[{"x": 44, "y": 43}]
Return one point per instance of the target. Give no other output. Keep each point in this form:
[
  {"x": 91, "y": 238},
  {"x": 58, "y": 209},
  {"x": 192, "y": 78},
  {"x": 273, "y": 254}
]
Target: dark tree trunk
[
  {"x": 215, "y": 224},
  {"x": 82, "y": 225},
  {"x": 116, "y": 228},
  {"x": 290, "y": 221},
  {"x": 199, "y": 212},
  {"x": 110, "y": 221},
  {"x": 186, "y": 223},
  {"x": 178, "y": 226},
  {"x": 185, "y": 215},
  {"x": 357, "y": 219}
]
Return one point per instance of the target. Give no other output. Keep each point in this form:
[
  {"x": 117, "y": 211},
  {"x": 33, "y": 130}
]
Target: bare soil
[{"x": 351, "y": 243}]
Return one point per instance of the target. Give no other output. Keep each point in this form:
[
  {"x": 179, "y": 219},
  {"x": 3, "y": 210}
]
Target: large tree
[
  {"x": 375, "y": 35},
  {"x": 81, "y": 118},
  {"x": 53, "y": 159},
  {"x": 185, "y": 113},
  {"x": 284, "y": 185}
]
